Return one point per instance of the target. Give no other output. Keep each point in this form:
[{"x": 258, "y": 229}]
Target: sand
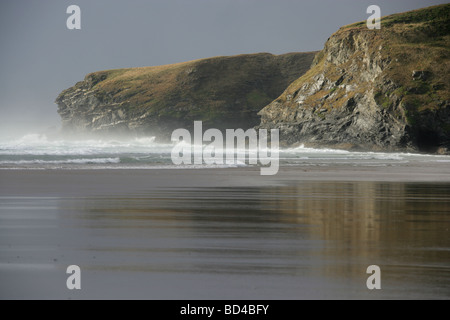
[
  {"x": 69, "y": 183},
  {"x": 308, "y": 232}
]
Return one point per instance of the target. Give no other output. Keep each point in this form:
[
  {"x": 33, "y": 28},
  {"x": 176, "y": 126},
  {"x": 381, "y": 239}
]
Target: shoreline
[{"x": 98, "y": 182}]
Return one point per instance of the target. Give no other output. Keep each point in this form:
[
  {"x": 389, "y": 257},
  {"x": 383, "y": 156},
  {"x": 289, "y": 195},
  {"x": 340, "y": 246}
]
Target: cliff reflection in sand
[{"x": 307, "y": 240}]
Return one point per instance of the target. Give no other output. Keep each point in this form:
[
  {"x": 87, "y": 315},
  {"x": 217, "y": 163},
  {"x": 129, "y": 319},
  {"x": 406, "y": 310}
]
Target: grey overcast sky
[{"x": 40, "y": 57}]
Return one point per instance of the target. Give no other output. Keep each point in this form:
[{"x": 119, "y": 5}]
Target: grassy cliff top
[
  {"x": 435, "y": 17},
  {"x": 417, "y": 40},
  {"x": 414, "y": 40},
  {"x": 213, "y": 89}
]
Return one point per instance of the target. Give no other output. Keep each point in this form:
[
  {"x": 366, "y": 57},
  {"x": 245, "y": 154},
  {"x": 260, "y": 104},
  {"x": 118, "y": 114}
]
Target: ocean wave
[
  {"x": 303, "y": 149},
  {"x": 40, "y": 144},
  {"x": 121, "y": 166},
  {"x": 66, "y": 161},
  {"x": 40, "y": 151}
]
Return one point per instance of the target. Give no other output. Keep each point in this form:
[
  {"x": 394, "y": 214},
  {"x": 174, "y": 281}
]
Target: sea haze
[{"x": 38, "y": 151}]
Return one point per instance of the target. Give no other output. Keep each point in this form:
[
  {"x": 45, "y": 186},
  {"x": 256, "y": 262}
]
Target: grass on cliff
[
  {"x": 141, "y": 86},
  {"x": 210, "y": 89},
  {"x": 416, "y": 40},
  {"x": 420, "y": 41},
  {"x": 436, "y": 17}
]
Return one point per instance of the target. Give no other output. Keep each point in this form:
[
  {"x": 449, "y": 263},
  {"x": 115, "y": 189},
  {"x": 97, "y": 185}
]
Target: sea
[{"x": 38, "y": 151}]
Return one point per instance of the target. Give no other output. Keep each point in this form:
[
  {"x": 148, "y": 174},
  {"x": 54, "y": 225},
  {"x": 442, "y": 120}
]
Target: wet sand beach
[
  {"x": 305, "y": 233},
  {"x": 104, "y": 182}
]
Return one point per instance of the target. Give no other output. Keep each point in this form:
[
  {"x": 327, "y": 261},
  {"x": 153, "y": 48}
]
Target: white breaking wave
[
  {"x": 326, "y": 154},
  {"x": 39, "y": 144},
  {"x": 303, "y": 149},
  {"x": 67, "y": 161},
  {"x": 40, "y": 151}
]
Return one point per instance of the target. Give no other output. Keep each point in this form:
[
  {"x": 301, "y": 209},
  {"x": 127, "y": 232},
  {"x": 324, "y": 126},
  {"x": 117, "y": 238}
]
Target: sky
[{"x": 40, "y": 56}]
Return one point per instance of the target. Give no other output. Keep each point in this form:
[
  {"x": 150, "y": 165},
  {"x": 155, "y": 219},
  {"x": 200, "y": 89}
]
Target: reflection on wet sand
[
  {"x": 402, "y": 227},
  {"x": 306, "y": 240}
]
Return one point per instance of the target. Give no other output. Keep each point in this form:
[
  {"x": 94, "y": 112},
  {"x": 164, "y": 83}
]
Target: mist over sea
[{"x": 43, "y": 151}]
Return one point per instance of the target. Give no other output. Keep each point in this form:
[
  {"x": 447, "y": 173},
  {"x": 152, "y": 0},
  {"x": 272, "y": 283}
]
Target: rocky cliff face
[
  {"x": 382, "y": 89},
  {"x": 224, "y": 92}
]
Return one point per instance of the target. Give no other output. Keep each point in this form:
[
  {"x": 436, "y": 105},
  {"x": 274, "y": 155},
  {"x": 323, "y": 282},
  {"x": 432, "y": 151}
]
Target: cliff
[
  {"x": 224, "y": 92},
  {"x": 382, "y": 89}
]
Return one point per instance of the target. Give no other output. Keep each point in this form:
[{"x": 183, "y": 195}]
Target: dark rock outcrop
[
  {"x": 382, "y": 89},
  {"x": 223, "y": 92}
]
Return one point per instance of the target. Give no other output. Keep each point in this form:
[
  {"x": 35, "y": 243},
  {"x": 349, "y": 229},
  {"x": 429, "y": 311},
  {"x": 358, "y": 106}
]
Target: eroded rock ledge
[{"x": 373, "y": 89}]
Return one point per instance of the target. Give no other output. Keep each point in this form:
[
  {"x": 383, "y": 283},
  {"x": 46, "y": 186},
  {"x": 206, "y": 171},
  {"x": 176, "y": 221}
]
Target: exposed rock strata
[{"x": 373, "y": 89}]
